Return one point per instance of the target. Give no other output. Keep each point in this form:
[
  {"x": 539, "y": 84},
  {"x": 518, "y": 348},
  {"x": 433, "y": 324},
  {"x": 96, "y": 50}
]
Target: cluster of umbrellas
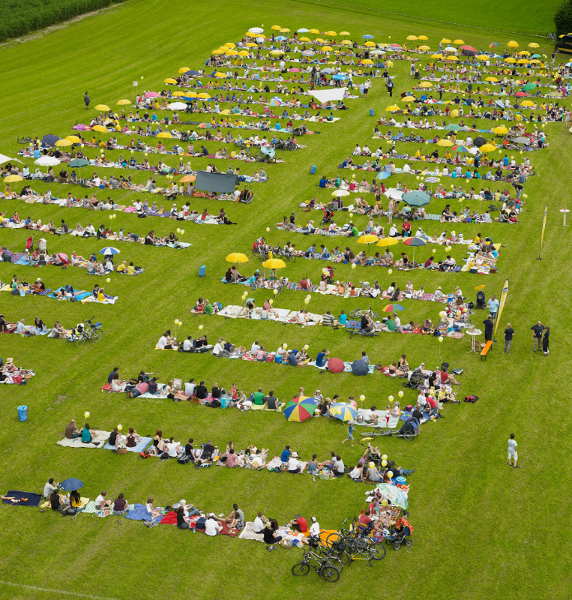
[{"x": 302, "y": 408}]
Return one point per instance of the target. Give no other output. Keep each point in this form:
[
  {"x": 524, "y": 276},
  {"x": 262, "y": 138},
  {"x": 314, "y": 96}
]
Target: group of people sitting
[{"x": 10, "y": 373}]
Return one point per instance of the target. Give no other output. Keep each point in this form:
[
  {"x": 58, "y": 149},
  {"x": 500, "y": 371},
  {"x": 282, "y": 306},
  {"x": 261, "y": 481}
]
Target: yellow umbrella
[
  {"x": 458, "y": 42},
  {"x": 512, "y": 44},
  {"x": 445, "y": 143},
  {"x": 284, "y": 30},
  {"x": 523, "y": 53},
  {"x": 533, "y": 45},
  {"x": 445, "y": 41},
  {"x": 327, "y": 48},
  {"x": 344, "y": 33},
  {"x": 314, "y": 30},
  {"x": 408, "y": 99},
  {"x": 425, "y": 84},
  {"x": 436, "y": 56},
  {"x": 528, "y": 104},
  {"x": 455, "y": 112},
  {"x": 387, "y": 242},
  {"x": 510, "y": 59},
  {"x": 424, "y": 48},
  {"x": 370, "y": 44},
  {"x": 73, "y": 139},
  {"x": 123, "y": 102},
  {"x": 243, "y": 53},
  {"x": 100, "y": 128},
  {"x": 203, "y": 95},
  {"x": 523, "y": 61},
  {"x": 276, "y": 52},
  {"x": 366, "y": 61},
  {"x": 487, "y": 148},
  {"x": 219, "y": 75},
  {"x": 367, "y": 239},
  {"x": 500, "y": 130},
  {"x": 13, "y": 178},
  {"x": 274, "y": 263},
  {"x": 230, "y": 45},
  {"x": 184, "y": 69},
  {"x": 482, "y": 57},
  {"x": 330, "y": 33},
  {"x": 231, "y": 52},
  {"x": 169, "y": 80},
  {"x": 180, "y": 93},
  {"x": 251, "y": 45},
  {"x": 164, "y": 134},
  {"x": 218, "y": 52},
  {"x": 63, "y": 142},
  {"x": 276, "y": 27},
  {"x": 392, "y": 108},
  {"x": 412, "y": 38},
  {"x": 345, "y": 42},
  {"x": 305, "y": 39},
  {"x": 320, "y": 40},
  {"x": 423, "y": 38},
  {"x": 452, "y": 58},
  {"x": 491, "y": 79},
  {"x": 236, "y": 257},
  {"x": 102, "y": 107}
]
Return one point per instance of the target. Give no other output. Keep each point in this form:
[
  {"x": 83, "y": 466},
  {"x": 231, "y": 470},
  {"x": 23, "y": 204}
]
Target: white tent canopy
[
  {"x": 331, "y": 95},
  {"x": 5, "y": 159}
]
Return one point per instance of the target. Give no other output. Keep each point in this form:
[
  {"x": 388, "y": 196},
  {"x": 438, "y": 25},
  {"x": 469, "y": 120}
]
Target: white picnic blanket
[
  {"x": 382, "y": 418},
  {"x": 99, "y": 438}
]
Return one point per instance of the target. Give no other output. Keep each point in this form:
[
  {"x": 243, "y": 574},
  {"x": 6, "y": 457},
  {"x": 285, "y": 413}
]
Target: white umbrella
[
  {"x": 256, "y": 30},
  {"x": 450, "y": 49},
  {"x": 5, "y": 159},
  {"x": 177, "y": 106},
  {"x": 340, "y": 193},
  {"x": 47, "y": 161},
  {"x": 394, "y": 194}
]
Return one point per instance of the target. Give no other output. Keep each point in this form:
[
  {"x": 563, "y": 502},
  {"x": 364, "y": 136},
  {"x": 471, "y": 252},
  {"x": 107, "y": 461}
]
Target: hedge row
[{"x": 18, "y": 17}]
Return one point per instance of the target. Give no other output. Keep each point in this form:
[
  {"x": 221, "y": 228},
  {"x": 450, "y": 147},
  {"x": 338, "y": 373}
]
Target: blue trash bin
[
  {"x": 371, "y": 112},
  {"x": 202, "y": 270},
  {"x": 313, "y": 169},
  {"x": 22, "y": 413}
]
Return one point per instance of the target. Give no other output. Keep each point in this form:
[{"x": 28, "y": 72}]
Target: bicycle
[
  {"x": 322, "y": 565},
  {"x": 354, "y": 545}
]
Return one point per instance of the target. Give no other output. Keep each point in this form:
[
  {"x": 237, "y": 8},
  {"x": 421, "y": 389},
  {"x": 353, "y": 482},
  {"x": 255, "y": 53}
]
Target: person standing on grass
[
  {"x": 512, "y": 453},
  {"x": 350, "y": 437},
  {"x": 489, "y": 326},
  {"x": 389, "y": 86},
  {"x": 86, "y": 99},
  {"x": 546, "y": 341},
  {"x": 537, "y": 331},
  {"x": 508, "y": 335},
  {"x": 493, "y": 306}
]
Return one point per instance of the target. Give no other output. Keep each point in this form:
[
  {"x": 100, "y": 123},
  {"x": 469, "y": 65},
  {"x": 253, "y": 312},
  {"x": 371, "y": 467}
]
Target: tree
[{"x": 563, "y": 18}]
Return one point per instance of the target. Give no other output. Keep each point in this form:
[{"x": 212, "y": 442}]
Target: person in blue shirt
[
  {"x": 322, "y": 358},
  {"x": 86, "y": 436},
  {"x": 343, "y": 319},
  {"x": 285, "y": 454}
]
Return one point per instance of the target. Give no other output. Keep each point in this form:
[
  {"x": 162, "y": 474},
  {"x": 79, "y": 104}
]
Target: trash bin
[
  {"x": 22, "y": 413},
  {"x": 313, "y": 169},
  {"x": 202, "y": 270},
  {"x": 371, "y": 112}
]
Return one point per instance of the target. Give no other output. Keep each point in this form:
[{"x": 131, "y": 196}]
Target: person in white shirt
[
  {"x": 218, "y": 347},
  {"x": 212, "y": 526},
  {"x": 101, "y": 501},
  {"x": 339, "y": 467},
  {"x": 512, "y": 454},
  {"x": 259, "y": 522},
  {"x": 294, "y": 465},
  {"x": 255, "y": 346},
  {"x": 172, "y": 448},
  {"x": 162, "y": 343},
  {"x": 187, "y": 344},
  {"x": 190, "y": 387},
  {"x": 49, "y": 487},
  {"x": 315, "y": 528}
]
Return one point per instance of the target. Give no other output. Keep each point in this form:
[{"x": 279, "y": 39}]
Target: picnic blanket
[
  {"x": 31, "y": 498},
  {"x": 395, "y": 494},
  {"x": 382, "y": 418},
  {"x": 282, "y": 315},
  {"x": 138, "y": 512},
  {"x": 142, "y": 445},
  {"x": 83, "y": 296},
  {"x": 99, "y": 438}
]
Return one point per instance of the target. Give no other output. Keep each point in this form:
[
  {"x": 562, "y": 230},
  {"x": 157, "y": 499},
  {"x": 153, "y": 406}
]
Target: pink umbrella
[
  {"x": 151, "y": 94},
  {"x": 520, "y": 94},
  {"x": 81, "y": 127},
  {"x": 294, "y": 70}
]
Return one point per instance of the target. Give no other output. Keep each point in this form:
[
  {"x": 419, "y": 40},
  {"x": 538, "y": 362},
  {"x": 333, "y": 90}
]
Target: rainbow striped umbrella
[{"x": 300, "y": 409}]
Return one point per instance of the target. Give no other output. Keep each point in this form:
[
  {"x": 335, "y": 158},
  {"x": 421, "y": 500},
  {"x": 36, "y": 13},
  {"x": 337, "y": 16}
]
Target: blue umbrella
[
  {"x": 78, "y": 162},
  {"x": 109, "y": 250},
  {"x": 416, "y": 198},
  {"x": 383, "y": 175},
  {"x": 280, "y": 38},
  {"x": 453, "y": 127},
  {"x": 192, "y": 72},
  {"x": 71, "y": 484},
  {"x": 303, "y": 30},
  {"x": 339, "y": 77},
  {"x": 367, "y": 36}
]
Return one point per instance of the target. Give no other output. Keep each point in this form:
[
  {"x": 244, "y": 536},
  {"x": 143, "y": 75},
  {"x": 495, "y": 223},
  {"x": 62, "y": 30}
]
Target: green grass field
[{"x": 482, "y": 531}]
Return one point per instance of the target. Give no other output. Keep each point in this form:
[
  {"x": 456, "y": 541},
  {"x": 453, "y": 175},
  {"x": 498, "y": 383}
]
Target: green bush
[
  {"x": 18, "y": 17},
  {"x": 563, "y": 18}
]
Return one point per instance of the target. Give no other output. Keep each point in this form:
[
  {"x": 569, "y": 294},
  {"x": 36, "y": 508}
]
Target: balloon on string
[
  {"x": 362, "y": 398},
  {"x": 353, "y": 265},
  {"x": 391, "y": 398},
  {"x": 119, "y": 427},
  {"x": 440, "y": 338},
  {"x": 285, "y": 346},
  {"x": 389, "y": 271},
  {"x": 108, "y": 279},
  {"x": 305, "y": 347},
  {"x": 201, "y": 327},
  {"x": 275, "y": 291},
  {"x": 271, "y": 301},
  {"x": 401, "y": 393},
  {"x": 384, "y": 463},
  {"x": 87, "y": 414}
]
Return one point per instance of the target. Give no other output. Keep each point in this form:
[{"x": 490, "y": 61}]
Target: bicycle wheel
[
  {"x": 377, "y": 553},
  {"x": 329, "y": 573},
  {"x": 301, "y": 568}
]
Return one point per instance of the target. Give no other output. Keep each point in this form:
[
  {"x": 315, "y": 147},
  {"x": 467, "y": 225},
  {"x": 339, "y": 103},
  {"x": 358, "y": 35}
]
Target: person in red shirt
[{"x": 300, "y": 524}]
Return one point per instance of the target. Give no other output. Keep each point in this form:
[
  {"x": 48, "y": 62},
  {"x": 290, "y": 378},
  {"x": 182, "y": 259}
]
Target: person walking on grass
[
  {"x": 350, "y": 437},
  {"x": 508, "y": 335},
  {"x": 86, "y": 99},
  {"x": 546, "y": 341},
  {"x": 512, "y": 453},
  {"x": 537, "y": 331}
]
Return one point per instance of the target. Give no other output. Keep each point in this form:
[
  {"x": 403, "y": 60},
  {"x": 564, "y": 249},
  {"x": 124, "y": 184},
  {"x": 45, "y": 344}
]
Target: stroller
[
  {"x": 400, "y": 535},
  {"x": 481, "y": 300},
  {"x": 410, "y": 429}
]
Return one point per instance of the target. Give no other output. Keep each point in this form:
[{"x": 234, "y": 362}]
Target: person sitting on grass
[{"x": 120, "y": 505}]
